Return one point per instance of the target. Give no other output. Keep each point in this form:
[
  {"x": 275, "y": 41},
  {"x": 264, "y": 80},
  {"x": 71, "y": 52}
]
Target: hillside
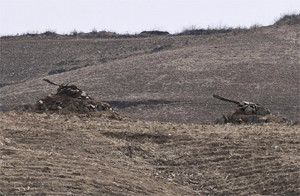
[
  {"x": 164, "y": 78},
  {"x": 78, "y": 155},
  {"x": 159, "y": 139}
]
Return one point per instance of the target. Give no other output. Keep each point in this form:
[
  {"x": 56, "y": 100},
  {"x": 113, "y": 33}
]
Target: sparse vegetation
[
  {"x": 255, "y": 26},
  {"x": 74, "y": 33},
  {"x": 291, "y": 19},
  {"x": 49, "y": 33},
  {"x": 288, "y": 19},
  {"x": 153, "y": 33}
]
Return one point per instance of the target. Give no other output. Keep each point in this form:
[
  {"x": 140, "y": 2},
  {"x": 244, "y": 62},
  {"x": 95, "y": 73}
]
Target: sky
[{"x": 134, "y": 16}]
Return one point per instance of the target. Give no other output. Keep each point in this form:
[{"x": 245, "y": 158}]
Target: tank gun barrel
[
  {"x": 52, "y": 83},
  {"x": 227, "y": 100}
]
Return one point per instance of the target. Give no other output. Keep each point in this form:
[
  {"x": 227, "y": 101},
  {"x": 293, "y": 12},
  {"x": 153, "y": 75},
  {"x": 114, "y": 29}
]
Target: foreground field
[{"x": 48, "y": 154}]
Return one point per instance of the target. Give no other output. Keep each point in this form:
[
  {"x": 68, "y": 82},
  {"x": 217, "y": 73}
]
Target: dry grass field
[
  {"x": 166, "y": 78},
  {"x": 50, "y": 154},
  {"x": 163, "y": 142}
]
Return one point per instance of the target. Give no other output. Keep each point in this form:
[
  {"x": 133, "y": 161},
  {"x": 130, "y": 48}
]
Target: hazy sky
[{"x": 134, "y": 16}]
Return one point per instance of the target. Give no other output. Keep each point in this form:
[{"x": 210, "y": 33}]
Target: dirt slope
[
  {"x": 44, "y": 154},
  {"x": 165, "y": 78}
]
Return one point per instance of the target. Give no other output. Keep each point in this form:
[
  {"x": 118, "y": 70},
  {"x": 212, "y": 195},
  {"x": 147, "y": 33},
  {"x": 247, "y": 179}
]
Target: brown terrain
[
  {"x": 51, "y": 154},
  {"x": 159, "y": 140},
  {"x": 166, "y": 78}
]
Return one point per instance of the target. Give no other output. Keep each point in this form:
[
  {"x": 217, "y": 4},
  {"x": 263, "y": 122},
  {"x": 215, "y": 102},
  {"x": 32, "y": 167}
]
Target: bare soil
[{"x": 51, "y": 154}]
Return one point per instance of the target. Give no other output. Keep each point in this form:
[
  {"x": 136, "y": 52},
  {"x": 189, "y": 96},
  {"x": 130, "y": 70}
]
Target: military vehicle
[{"x": 247, "y": 112}]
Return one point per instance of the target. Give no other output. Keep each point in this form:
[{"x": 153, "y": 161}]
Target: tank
[
  {"x": 70, "y": 99},
  {"x": 248, "y": 113}
]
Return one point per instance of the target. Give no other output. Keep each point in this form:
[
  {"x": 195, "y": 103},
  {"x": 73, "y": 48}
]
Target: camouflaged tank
[
  {"x": 248, "y": 112},
  {"x": 70, "y": 98}
]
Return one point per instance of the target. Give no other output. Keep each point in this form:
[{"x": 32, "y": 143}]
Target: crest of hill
[
  {"x": 288, "y": 19},
  {"x": 293, "y": 19},
  {"x": 89, "y": 35}
]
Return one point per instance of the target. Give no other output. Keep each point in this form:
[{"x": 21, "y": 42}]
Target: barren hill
[{"x": 164, "y": 78}]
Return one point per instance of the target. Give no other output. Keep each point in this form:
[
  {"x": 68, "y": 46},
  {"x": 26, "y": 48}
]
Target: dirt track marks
[
  {"x": 247, "y": 161},
  {"x": 58, "y": 155},
  {"x": 68, "y": 156}
]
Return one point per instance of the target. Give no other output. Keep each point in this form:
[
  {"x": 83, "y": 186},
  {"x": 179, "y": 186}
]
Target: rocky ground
[{"x": 51, "y": 154}]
